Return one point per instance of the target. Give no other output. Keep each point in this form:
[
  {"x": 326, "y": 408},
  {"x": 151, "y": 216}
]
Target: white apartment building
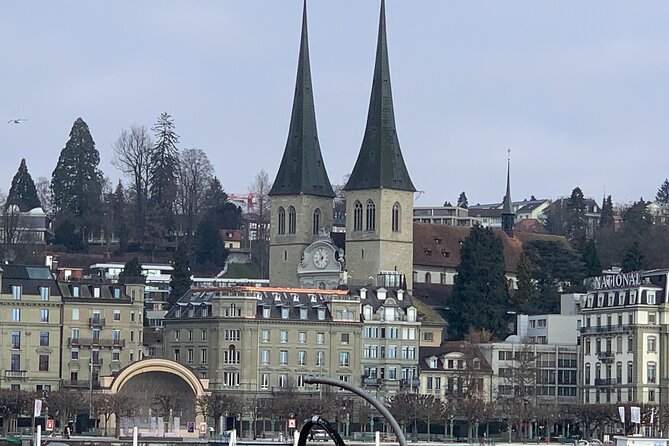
[{"x": 624, "y": 338}]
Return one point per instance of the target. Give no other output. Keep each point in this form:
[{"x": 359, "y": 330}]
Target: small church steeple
[
  {"x": 302, "y": 170},
  {"x": 508, "y": 215}
]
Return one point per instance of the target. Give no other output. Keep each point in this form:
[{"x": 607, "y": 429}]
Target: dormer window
[
  {"x": 433, "y": 363},
  {"x": 367, "y": 312},
  {"x": 75, "y": 291},
  {"x": 476, "y": 363},
  {"x": 266, "y": 311},
  {"x": 44, "y": 293},
  {"x": 650, "y": 297},
  {"x": 16, "y": 292},
  {"x": 303, "y": 313},
  {"x": 285, "y": 312},
  {"x": 411, "y": 314},
  {"x": 321, "y": 314},
  {"x": 428, "y": 252},
  {"x": 437, "y": 241}
]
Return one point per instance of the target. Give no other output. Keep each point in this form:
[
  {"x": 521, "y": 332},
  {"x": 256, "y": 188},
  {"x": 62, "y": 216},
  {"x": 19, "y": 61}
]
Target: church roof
[
  {"x": 302, "y": 170},
  {"x": 507, "y": 208},
  {"x": 380, "y": 163}
]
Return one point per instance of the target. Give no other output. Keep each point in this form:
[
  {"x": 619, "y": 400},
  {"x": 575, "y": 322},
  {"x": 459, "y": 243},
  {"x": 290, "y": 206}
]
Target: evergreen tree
[
  {"x": 556, "y": 268},
  {"x": 66, "y": 235},
  {"x": 526, "y": 293},
  {"x": 590, "y": 259},
  {"x": 132, "y": 271},
  {"x": 210, "y": 252},
  {"x": 606, "y": 215},
  {"x": 481, "y": 293},
  {"x": 23, "y": 192},
  {"x": 218, "y": 209},
  {"x": 462, "y": 200},
  {"x": 556, "y": 217},
  {"x": 164, "y": 161},
  {"x": 663, "y": 193},
  {"x": 76, "y": 182},
  {"x": 181, "y": 281},
  {"x": 633, "y": 258},
  {"x": 576, "y": 225},
  {"x": 637, "y": 220},
  {"x": 119, "y": 217}
]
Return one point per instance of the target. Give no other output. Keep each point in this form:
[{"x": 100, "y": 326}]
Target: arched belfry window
[
  {"x": 357, "y": 216},
  {"x": 316, "y": 229},
  {"x": 282, "y": 220},
  {"x": 396, "y": 217},
  {"x": 371, "y": 216},
  {"x": 292, "y": 220}
]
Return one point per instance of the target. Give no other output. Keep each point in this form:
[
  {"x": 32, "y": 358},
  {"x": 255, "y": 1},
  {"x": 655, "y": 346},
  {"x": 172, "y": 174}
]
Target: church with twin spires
[{"x": 379, "y": 195}]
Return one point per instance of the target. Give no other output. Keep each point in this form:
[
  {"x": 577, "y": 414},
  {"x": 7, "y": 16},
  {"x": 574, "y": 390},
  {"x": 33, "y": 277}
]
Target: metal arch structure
[
  {"x": 383, "y": 410},
  {"x": 316, "y": 420}
]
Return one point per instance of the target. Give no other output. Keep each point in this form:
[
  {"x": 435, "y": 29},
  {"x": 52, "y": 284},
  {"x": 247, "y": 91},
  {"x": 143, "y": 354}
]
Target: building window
[
  {"x": 16, "y": 340},
  {"x": 357, "y": 216},
  {"x": 190, "y": 355},
  {"x": 203, "y": 356},
  {"x": 283, "y": 357},
  {"x": 630, "y": 343},
  {"x": 231, "y": 379},
  {"x": 74, "y": 354},
  {"x": 44, "y": 339},
  {"x": 16, "y": 292},
  {"x": 44, "y": 293},
  {"x": 321, "y": 314},
  {"x": 282, "y": 220},
  {"x": 283, "y": 336},
  {"x": 651, "y": 343},
  {"x": 283, "y": 380},
  {"x": 177, "y": 355},
  {"x": 75, "y": 314},
  {"x": 16, "y": 314},
  {"x": 396, "y": 218},
  {"x": 586, "y": 376},
  {"x": 266, "y": 312},
  {"x": 204, "y": 335},
  {"x": 231, "y": 355},
  {"x": 285, "y": 312},
  {"x": 302, "y": 358},
  {"x": 292, "y": 220},
  {"x": 433, "y": 363},
  {"x": 75, "y": 291},
  {"x": 43, "y": 363},
  {"x": 304, "y": 313},
  {"x": 316, "y": 226},
  {"x": 232, "y": 335},
  {"x": 264, "y": 336},
  {"x": 370, "y": 221},
  {"x": 116, "y": 355},
  {"x": 428, "y": 278},
  {"x": 344, "y": 359},
  {"x": 264, "y": 357},
  {"x": 320, "y": 358},
  {"x": 650, "y": 370},
  {"x": 345, "y": 338},
  {"x": 264, "y": 381},
  {"x": 302, "y": 337},
  {"x": 44, "y": 315},
  {"x": 320, "y": 338}
]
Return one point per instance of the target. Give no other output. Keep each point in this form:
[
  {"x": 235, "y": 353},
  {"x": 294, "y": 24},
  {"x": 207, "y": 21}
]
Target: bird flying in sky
[{"x": 16, "y": 121}]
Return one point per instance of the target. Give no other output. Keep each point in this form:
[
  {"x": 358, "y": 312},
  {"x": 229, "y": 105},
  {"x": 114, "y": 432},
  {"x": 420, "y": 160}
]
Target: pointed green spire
[
  {"x": 508, "y": 216},
  {"x": 302, "y": 170},
  {"x": 380, "y": 163}
]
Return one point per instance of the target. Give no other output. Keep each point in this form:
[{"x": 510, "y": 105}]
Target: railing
[
  {"x": 606, "y": 356},
  {"x": 79, "y": 384},
  {"x": 16, "y": 374},
  {"x": 96, "y": 322},
  {"x": 370, "y": 381},
  {"x": 412, "y": 382},
  {"x": 607, "y": 381},
  {"x": 606, "y": 329},
  {"x": 79, "y": 342}
]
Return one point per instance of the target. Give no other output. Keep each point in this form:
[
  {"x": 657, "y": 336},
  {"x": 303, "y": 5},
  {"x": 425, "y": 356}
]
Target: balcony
[
  {"x": 606, "y": 329},
  {"x": 607, "y": 356},
  {"x": 79, "y": 384},
  {"x": 16, "y": 374},
  {"x": 607, "y": 381},
  {"x": 412, "y": 382},
  {"x": 96, "y": 322},
  {"x": 88, "y": 342},
  {"x": 371, "y": 381}
]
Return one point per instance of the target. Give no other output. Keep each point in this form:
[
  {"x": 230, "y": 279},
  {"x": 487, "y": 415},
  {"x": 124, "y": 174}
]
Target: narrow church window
[
  {"x": 282, "y": 220},
  {"x": 285, "y": 255},
  {"x": 357, "y": 216},
  {"x": 396, "y": 218},
  {"x": 371, "y": 216},
  {"x": 428, "y": 278},
  {"x": 292, "y": 220},
  {"x": 317, "y": 221}
]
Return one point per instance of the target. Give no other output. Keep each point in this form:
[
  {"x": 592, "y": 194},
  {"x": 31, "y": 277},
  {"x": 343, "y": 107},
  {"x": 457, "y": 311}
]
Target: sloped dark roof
[
  {"x": 86, "y": 291},
  {"x": 380, "y": 163},
  {"x": 447, "y": 347},
  {"x": 439, "y": 245},
  {"x": 29, "y": 278},
  {"x": 371, "y": 297},
  {"x": 485, "y": 212},
  {"x": 302, "y": 170}
]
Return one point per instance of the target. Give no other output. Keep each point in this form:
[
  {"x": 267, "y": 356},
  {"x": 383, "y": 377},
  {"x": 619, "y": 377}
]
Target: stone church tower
[
  {"x": 379, "y": 192},
  {"x": 301, "y": 196}
]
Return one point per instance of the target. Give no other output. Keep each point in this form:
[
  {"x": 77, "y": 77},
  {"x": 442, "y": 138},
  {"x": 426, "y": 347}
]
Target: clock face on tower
[{"x": 321, "y": 257}]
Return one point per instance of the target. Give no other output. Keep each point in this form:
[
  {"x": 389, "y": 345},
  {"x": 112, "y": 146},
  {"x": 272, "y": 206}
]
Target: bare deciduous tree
[
  {"x": 194, "y": 173},
  {"x": 133, "y": 150},
  {"x": 260, "y": 188}
]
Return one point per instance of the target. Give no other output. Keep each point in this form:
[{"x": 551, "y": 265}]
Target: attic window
[
  {"x": 437, "y": 241},
  {"x": 445, "y": 253},
  {"x": 428, "y": 252}
]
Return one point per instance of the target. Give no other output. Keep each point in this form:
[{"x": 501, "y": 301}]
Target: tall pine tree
[
  {"x": 523, "y": 297},
  {"x": 663, "y": 193},
  {"x": 633, "y": 258},
  {"x": 181, "y": 275},
  {"x": 76, "y": 182},
  {"x": 576, "y": 225},
  {"x": 163, "y": 180},
  {"x": 481, "y": 291},
  {"x": 590, "y": 258},
  {"x": 606, "y": 215},
  {"x": 462, "y": 200},
  {"x": 23, "y": 193}
]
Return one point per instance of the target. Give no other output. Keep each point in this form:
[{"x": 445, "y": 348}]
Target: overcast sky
[{"x": 577, "y": 89}]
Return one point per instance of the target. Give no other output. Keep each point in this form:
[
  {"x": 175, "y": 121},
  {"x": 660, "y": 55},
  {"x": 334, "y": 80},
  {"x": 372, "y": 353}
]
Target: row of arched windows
[
  {"x": 292, "y": 220},
  {"x": 370, "y": 216}
]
